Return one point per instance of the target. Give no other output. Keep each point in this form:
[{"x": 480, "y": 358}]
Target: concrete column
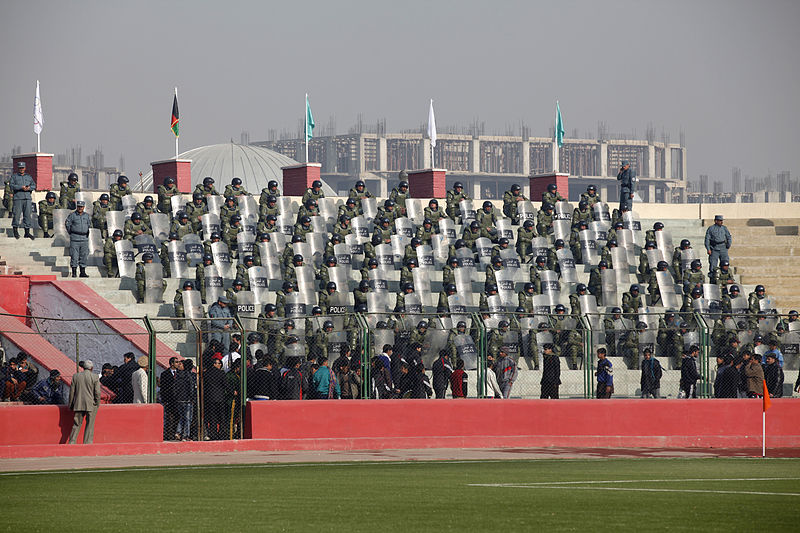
[
  {"x": 526, "y": 158},
  {"x": 383, "y": 159},
  {"x": 426, "y": 153},
  {"x": 602, "y": 154},
  {"x": 603, "y": 192},
  {"x": 683, "y": 165},
  {"x": 475, "y": 156},
  {"x": 330, "y": 155},
  {"x": 667, "y": 163},
  {"x": 651, "y": 192},
  {"x": 650, "y": 164},
  {"x": 555, "y": 156},
  {"x": 360, "y": 169}
]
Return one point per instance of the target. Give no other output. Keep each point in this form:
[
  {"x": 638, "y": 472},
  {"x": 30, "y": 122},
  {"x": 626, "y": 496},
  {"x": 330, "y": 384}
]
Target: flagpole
[
  {"x": 763, "y": 433},
  {"x": 556, "y": 158},
  {"x": 176, "y": 137},
  {"x": 305, "y": 128}
]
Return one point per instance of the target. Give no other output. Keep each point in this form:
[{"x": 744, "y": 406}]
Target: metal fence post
[
  {"x": 588, "y": 358},
  {"x": 705, "y": 367},
  {"x": 151, "y": 360},
  {"x": 242, "y": 375},
  {"x": 366, "y": 360},
  {"x": 481, "y": 385}
]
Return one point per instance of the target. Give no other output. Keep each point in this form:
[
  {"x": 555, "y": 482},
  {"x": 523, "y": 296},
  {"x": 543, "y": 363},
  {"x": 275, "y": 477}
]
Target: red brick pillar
[
  {"x": 427, "y": 183},
  {"x": 180, "y": 169},
  {"x": 39, "y": 166},
  {"x": 298, "y": 178},
  {"x": 539, "y": 183}
]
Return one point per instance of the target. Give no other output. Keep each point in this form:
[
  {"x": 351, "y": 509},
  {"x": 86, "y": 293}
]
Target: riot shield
[
  {"x": 222, "y": 260},
  {"x": 601, "y": 212},
  {"x": 176, "y": 255},
  {"x": 303, "y": 249},
  {"x": 544, "y": 337},
  {"x": 448, "y": 229},
  {"x": 87, "y": 199},
  {"x": 380, "y": 338},
  {"x": 285, "y": 224},
  {"x": 318, "y": 224},
  {"x": 600, "y": 230},
  {"x": 458, "y": 308},
  {"x": 248, "y": 209},
  {"x": 767, "y": 303},
  {"x": 466, "y": 259},
  {"x": 306, "y": 284},
  {"x": 95, "y": 257},
  {"x": 213, "y": 283},
  {"x": 412, "y": 303},
  {"x": 666, "y": 286},
  {"x": 398, "y": 245},
  {"x": 608, "y": 281},
  {"x": 383, "y": 252},
  {"x": 713, "y": 293},
  {"x": 511, "y": 344},
  {"x": 567, "y": 265},
  {"x": 563, "y": 211},
  {"x": 630, "y": 220},
  {"x": 540, "y": 247},
  {"x": 335, "y": 340},
  {"x": 561, "y": 230},
  {"x": 245, "y": 245},
  {"x": 653, "y": 257},
  {"x": 588, "y": 305},
  {"x": 468, "y": 212},
  {"x": 511, "y": 262},
  {"x": 128, "y": 205},
  {"x": 526, "y": 211},
  {"x": 484, "y": 248},
  {"x": 588, "y": 247},
  {"x": 210, "y": 223},
  {"x": 355, "y": 249},
  {"x": 337, "y": 307},
  {"x": 259, "y": 283},
  {"x": 294, "y": 305},
  {"x": 340, "y": 275},
  {"x": 214, "y": 203},
  {"x": 687, "y": 256},
  {"x": 60, "y": 236},
  {"x": 159, "y": 223},
  {"x": 144, "y": 244},
  {"x": 619, "y": 259},
  {"x": 664, "y": 244},
  {"x": 178, "y": 203},
  {"x": 316, "y": 241},
  {"x": 425, "y": 257},
  {"x": 647, "y": 341},
  {"x": 790, "y": 345},
  {"x": 343, "y": 257},
  {"x": 528, "y": 326},
  {"x": 504, "y": 230},
  {"x": 404, "y": 227},
  {"x": 248, "y": 312},
  {"x": 115, "y": 220},
  {"x": 505, "y": 287},
  {"x": 691, "y": 338},
  {"x": 422, "y": 287},
  {"x": 435, "y": 341},
  {"x": 415, "y": 211},
  {"x": 626, "y": 242},
  {"x": 739, "y": 305},
  {"x": 463, "y": 281},
  {"x": 369, "y": 207},
  {"x": 541, "y": 304},
  {"x": 153, "y": 288},
  {"x": 466, "y": 351},
  {"x": 550, "y": 286},
  {"x": 378, "y": 280},
  {"x": 194, "y": 249},
  {"x": 192, "y": 304},
  {"x": 284, "y": 205},
  {"x": 360, "y": 228},
  {"x": 377, "y": 302}
]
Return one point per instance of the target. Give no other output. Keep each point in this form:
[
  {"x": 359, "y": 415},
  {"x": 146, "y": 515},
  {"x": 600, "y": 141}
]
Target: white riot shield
[
  {"x": 194, "y": 249},
  {"x": 625, "y": 240},
  {"x": 790, "y": 345},
  {"x": 356, "y": 249},
  {"x": 360, "y": 228},
  {"x": 425, "y": 257},
  {"x": 335, "y": 340},
  {"x": 380, "y": 338},
  {"x": 285, "y": 224},
  {"x": 600, "y": 230},
  {"x": 213, "y": 283},
  {"x": 383, "y": 252},
  {"x": 601, "y": 212},
  {"x": 541, "y": 304},
  {"x": 248, "y": 312},
  {"x": 377, "y": 302},
  {"x": 466, "y": 351},
  {"x": 441, "y": 248},
  {"x": 550, "y": 286},
  {"x": 125, "y": 258},
  {"x": 458, "y": 308},
  {"x": 153, "y": 288},
  {"x": 259, "y": 283},
  {"x": 544, "y": 337},
  {"x": 176, "y": 253},
  {"x": 528, "y": 327},
  {"x": 327, "y": 210},
  {"x": 306, "y": 284},
  {"x": 588, "y": 305},
  {"x": 767, "y": 303},
  {"x": 145, "y": 244},
  {"x": 630, "y": 220},
  {"x": 468, "y": 212},
  {"x": 540, "y": 247},
  {"x": 316, "y": 242},
  {"x": 526, "y": 211},
  {"x": 159, "y": 223},
  {"x": 511, "y": 262},
  {"x": 340, "y": 275},
  {"x": 95, "y": 257},
  {"x": 739, "y": 305},
  {"x": 178, "y": 203},
  {"x": 128, "y": 205},
  {"x": 588, "y": 247},
  {"x": 115, "y": 220},
  {"x": 653, "y": 257},
  {"x": 284, "y": 205},
  {"x": 567, "y": 265},
  {"x": 435, "y": 341},
  {"x": 245, "y": 245},
  {"x": 214, "y": 203},
  {"x": 318, "y": 224},
  {"x": 369, "y": 207},
  {"x": 303, "y": 249},
  {"x": 248, "y": 209},
  {"x": 466, "y": 260},
  {"x": 343, "y": 257},
  {"x": 619, "y": 259},
  {"x": 563, "y": 211},
  {"x": 713, "y": 293},
  {"x": 422, "y": 287},
  {"x": 270, "y": 260},
  {"x": 666, "y": 286},
  {"x": 608, "y": 284},
  {"x": 647, "y": 341},
  {"x": 505, "y": 287},
  {"x": 415, "y": 211},
  {"x": 463, "y": 281},
  {"x": 687, "y": 256},
  {"x": 504, "y": 230},
  {"x": 664, "y": 244},
  {"x": 511, "y": 344},
  {"x": 484, "y": 249},
  {"x": 561, "y": 230},
  {"x": 337, "y": 307},
  {"x": 87, "y": 199},
  {"x": 398, "y": 245},
  {"x": 404, "y": 227},
  {"x": 295, "y": 305},
  {"x": 691, "y": 338},
  {"x": 192, "y": 303},
  {"x": 222, "y": 260},
  {"x": 448, "y": 229},
  {"x": 378, "y": 280},
  {"x": 412, "y": 303},
  {"x": 210, "y": 223}
]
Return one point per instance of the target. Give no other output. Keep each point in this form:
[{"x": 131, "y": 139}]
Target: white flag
[
  {"x": 38, "y": 118},
  {"x": 431, "y": 126}
]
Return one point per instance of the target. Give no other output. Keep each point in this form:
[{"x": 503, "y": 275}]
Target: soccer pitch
[{"x": 709, "y": 494}]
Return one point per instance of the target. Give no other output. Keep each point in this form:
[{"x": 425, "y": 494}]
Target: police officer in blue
[
  {"x": 718, "y": 241},
  {"x": 626, "y": 178},
  {"x": 78, "y": 223},
  {"x": 22, "y": 185}
]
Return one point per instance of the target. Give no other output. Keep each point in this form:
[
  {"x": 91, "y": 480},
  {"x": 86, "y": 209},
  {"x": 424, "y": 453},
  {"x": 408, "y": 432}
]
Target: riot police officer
[
  {"x": 22, "y": 185},
  {"x": 77, "y": 225},
  {"x": 46, "y": 208}
]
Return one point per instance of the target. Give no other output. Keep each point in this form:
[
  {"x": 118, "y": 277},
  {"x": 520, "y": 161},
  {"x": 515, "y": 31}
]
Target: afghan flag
[{"x": 175, "y": 116}]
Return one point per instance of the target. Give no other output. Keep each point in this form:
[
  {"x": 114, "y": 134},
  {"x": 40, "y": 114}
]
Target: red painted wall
[
  {"x": 367, "y": 424},
  {"x": 540, "y": 182},
  {"x": 51, "y": 424},
  {"x": 180, "y": 169},
  {"x": 298, "y": 178},
  {"x": 40, "y": 168},
  {"x": 428, "y": 183}
]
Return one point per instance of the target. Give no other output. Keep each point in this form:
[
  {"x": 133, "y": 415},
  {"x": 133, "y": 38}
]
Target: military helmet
[
  {"x": 272, "y": 184},
  {"x": 103, "y": 196},
  {"x": 180, "y": 215},
  {"x": 49, "y": 195},
  {"x": 236, "y": 182},
  {"x": 117, "y": 233},
  {"x": 264, "y": 236},
  {"x": 497, "y": 260},
  {"x": 516, "y": 188},
  {"x": 372, "y": 262},
  {"x": 602, "y": 264},
  {"x": 188, "y": 285},
  {"x": 169, "y": 180},
  {"x": 384, "y": 221},
  {"x": 136, "y": 216},
  {"x": 559, "y": 243},
  {"x": 583, "y": 204},
  {"x": 650, "y": 245},
  {"x": 408, "y": 286},
  {"x": 487, "y": 204},
  {"x": 363, "y": 285},
  {"x": 330, "y": 286},
  {"x": 685, "y": 244},
  {"x": 696, "y": 264},
  {"x": 697, "y": 291},
  {"x": 519, "y": 310},
  {"x": 591, "y": 188},
  {"x": 583, "y": 224},
  {"x": 207, "y": 257},
  {"x": 528, "y": 287},
  {"x": 360, "y": 184},
  {"x": 502, "y": 241},
  {"x": 197, "y": 196},
  {"x": 560, "y": 308},
  {"x": 236, "y": 218},
  {"x": 297, "y": 258},
  {"x": 147, "y": 256},
  {"x": 724, "y": 263},
  {"x": 634, "y": 287},
  {"x": 316, "y": 310},
  {"x": 460, "y": 243},
  {"x": 547, "y": 206},
  {"x": 344, "y": 218},
  {"x": 208, "y": 180},
  {"x": 658, "y": 226},
  {"x": 616, "y": 311},
  {"x": 619, "y": 225},
  {"x": 122, "y": 179},
  {"x": 288, "y": 285},
  {"x": 527, "y": 224},
  {"x": 350, "y": 201},
  {"x": 173, "y": 236},
  {"x": 458, "y": 185},
  {"x": 388, "y": 203},
  {"x": 270, "y": 308},
  {"x": 503, "y": 324},
  {"x": 248, "y": 259},
  {"x": 491, "y": 287},
  {"x": 580, "y": 287},
  {"x": 453, "y": 261},
  {"x": 449, "y": 288},
  {"x": 733, "y": 288},
  {"x": 336, "y": 238},
  {"x": 474, "y": 225},
  {"x": 72, "y": 177},
  {"x": 305, "y": 219},
  {"x": 415, "y": 242},
  {"x": 238, "y": 282},
  {"x": 541, "y": 259},
  {"x": 641, "y": 325},
  {"x": 402, "y": 185},
  {"x": 215, "y": 236},
  {"x": 551, "y": 187},
  {"x": 461, "y": 324},
  {"x": 271, "y": 199},
  {"x": 427, "y": 222},
  {"x": 422, "y": 324},
  {"x": 297, "y": 238},
  {"x": 327, "y": 325},
  {"x": 612, "y": 242},
  {"x": 330, "y": 260},
  {"x": 662, "y": 266},
  {"x": 760, "y": 288},
  {"x": 316, "y": 184},
  {"x": 412, "y": 261},
  {"x": 148, "y": 199}
]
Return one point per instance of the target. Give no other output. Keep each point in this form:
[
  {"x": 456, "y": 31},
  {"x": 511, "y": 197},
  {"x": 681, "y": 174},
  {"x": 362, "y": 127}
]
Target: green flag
[
  {"x": 559, "y": 127},
  {"x": 309, "y": 121}
]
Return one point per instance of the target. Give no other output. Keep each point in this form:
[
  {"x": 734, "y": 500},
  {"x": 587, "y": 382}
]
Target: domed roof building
[{"x": 255, "y": 165}]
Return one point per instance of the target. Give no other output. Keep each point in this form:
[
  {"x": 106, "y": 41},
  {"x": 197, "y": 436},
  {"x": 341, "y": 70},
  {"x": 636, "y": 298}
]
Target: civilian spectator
[
  {"x": 492, "y": 387},
  {"x": 349, "y": 382},
  {"x": 506, "y": 370},
  {"x": 381, "y": 378},
  {"x": 167, "y": 386},
  {"x": 651, "y": 376},
  {"x": 47, "y": 391},
  {"x": 726, "y": 383},
  {"x": 605, "y": 375},
  {"x": 773, "y": 344},
  {"x": 753, "y": 375},
  {"x": 773, "y": 375},
  {"x": 458, "y": 380},
  {"x": 265, "y": 380},
  {"x": 689, "y": 373},
  {"x": 551, "y": 372},
  {"x": 84, "y": 400},
  {"x": 292, "y": 380},
  {"x": 214, "y": 386},
  {"x": 324, "y": 382},
  {"x": 182, "y": 393},
  {"x": 13, "y": 381},
  {"x": 124, "y": 388},
  {"x": 107, "y": 376},
  {"x": 441, "y": 374},
  {"x": 139, "y": 381}
]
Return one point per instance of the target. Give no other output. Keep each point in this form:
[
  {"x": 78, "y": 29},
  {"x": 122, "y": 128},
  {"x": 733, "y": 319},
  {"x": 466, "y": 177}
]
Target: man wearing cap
[
  {"x": 222, "y": 322},
  {"x": 139, "y": 381},
  {"x": 78, "y": 223},
  {"x": 718, "y": 240},
  {"x": 626, "y": 177},
  {"x": 22, "y": 185},
  {"x": 47, "y": 391},
  {"x": 84, "y": 399}
]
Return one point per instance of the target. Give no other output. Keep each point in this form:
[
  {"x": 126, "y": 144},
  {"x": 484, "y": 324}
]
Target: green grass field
[{"x": 540, "y": 495}]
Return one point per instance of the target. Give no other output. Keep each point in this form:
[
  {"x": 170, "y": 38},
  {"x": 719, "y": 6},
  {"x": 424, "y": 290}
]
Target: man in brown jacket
[
  {"x": 84, "y": 399},
  {"x": 754, "y": 375}
]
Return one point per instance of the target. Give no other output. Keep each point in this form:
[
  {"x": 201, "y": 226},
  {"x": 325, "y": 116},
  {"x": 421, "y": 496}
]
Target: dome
[{"x": 255, "y": 165}]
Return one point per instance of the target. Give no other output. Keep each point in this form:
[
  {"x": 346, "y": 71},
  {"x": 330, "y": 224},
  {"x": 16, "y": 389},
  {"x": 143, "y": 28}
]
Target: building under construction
[{"x": 489, "y": 165}]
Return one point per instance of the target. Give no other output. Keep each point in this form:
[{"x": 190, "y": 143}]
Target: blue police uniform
[
  {"x": 22, "y": 200},
  {"x": 625, "y": 179},
  {"x": 78, "y": 225},
  {"x": 717, "y": 242}
]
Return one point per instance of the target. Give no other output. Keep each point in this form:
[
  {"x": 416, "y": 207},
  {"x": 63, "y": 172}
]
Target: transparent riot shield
[
  {"x": 448, "y": 229},
  {"x": 691, "y": 338},
  {"x": 398, "y": 245},
  {"x": 213, "y": 284},
  {"x": 664, "y": 244},
  {"x": 619, "y": 259},
  {"x": 713, "y": 294},
  {"x": 319, "y": 224},
  {"x": 355, "y": 249},
  {"x": 466, "y": 259},
  {"x": 115, "y": 220},
  {"x": 600, "y": 230},
  {"x": 306, "y": 284},
  {"x": 435, "y": 341},
  {"x": 246, "y": 309},
  {"x": 463, "y": 281},
  {"x": 412, "y": 303},
  {"x": 194, "y": 249},
  {"x": 294, "y": 305},
  {"x": 192, "y": 304},
  {"x": 404, "y": 227},
  {"x": 511, "y": 344},
  {"x": 383, "y": 252},
  {"x": 540, "y": 247},
  {"x": 317, "y": 241},
  {"x": 60, "y": 236},
  {"x": 550, "y": 286},
  {"x": 608, "y": 281},
  {"x": 335, "y": 341},
  {"x": 214, "y": 203},
  {"x": 178, "y": 203},
  {"x": 284, "y": 205},
  {"x": 511, "y": 262},
  {"x": 527, "y": 341},
  {"x": 248, "y": 209},
  {"x": 647, "y": 341},
  {"x": 466, "y": 351},
  {"x": 666, "y": 286},
  {"x": 303, "y": 249},
  {"x": 630, "y": 220},
  {"x": 790, "y": 346},
  {"x": 176, "y": 255},
  {"x": 526, "y": 211},
  {"x": 484, "y": 249},
  {"x": 159, "y": 223},
  {"x": 544, "y": 337},
  {"x": 541, "y": 304},
  {"x": 259, "y": 283},
  {"x": 588, "y": 247},
  {"x": 153, "y": 288},
  {"x": 687, "y": 256},
  {"x": 626, "y": 242},
  {"x": 210, "y": 223},
  {"x": 468, "y": 212},
  {"x": 588, "y": 305},
  {"x": 337, "y": 307},
  {"x": 767, "y": 303},
  {"x": 563, "y": 211},
  {"x": 458, "y": 309},
  {"x": 245, "y": 245},
  {"x": 340, "y": 275},
  {"x": 95, "y": 257},
  {"x": 739, "y": 305},
  {"x": 380, "y": 338},
  {"x": 360, "y": 228},
  {"x": 87, "y": 199},
  {"x": 425, "y": 257},
  {"x": 567, "y": 265},
  {"x": 653, "y": 257},
  {"x": 222, "y": 260},
  {"x": 601, "y": 212},
  {"x": 415, "y": 211},
  {"x": 145, "y": 244},
  {"x": 128, "y": 205},
  {"x": 441, "y": 249},
  {"x": 422, "y": 287},
  {"x": 285, "y": 224},
  {"x": 505, "y": 287},
  {"x": 369, "y": 207},
  {"x": 377, "y": 302},
  {"x": 561, "y": 230},
  {"x": 343, "y": 257},
  {"x": 378, "y": 280},
  {"x": 504, "y": 230}
]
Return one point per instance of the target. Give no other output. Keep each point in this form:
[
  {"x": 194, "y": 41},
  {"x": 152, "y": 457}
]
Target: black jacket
[
  {"x": 214, "y": 383},
  {"x": 726, "y": 384},
  {"x": 551, "y": 370},
  {"x": 773, "y": 375},
  {"x": 441, "y": 373},
  {"x": 651, "y": 375},
  {"x": 292, "y": 384},
  {"x": 689, "y": 373},
  {"x": 124, "y": 386}
]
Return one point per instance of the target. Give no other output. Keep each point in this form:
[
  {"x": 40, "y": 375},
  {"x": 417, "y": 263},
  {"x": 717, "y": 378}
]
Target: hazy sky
[{"x": 724, "y": 72}]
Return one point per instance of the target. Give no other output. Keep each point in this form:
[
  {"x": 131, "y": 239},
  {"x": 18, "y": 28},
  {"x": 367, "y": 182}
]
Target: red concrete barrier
[
  {"x": 51, "y": 424},
  {"x": 370, "y": 424}
]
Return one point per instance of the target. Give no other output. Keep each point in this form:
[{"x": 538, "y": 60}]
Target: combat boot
[
  {"x": 74, "y": 272},
  {"x": 16, "y": 233},
  {"x": 83, "y": 272},
  {"x": 46, "y": 235},
  {"x": 29, "y": 234}
]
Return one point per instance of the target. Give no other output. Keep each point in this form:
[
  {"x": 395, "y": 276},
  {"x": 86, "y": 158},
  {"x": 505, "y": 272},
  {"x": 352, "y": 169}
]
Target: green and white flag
[
  {"x": 559, "y": 127},
  {"x": 309, "y": 121}
]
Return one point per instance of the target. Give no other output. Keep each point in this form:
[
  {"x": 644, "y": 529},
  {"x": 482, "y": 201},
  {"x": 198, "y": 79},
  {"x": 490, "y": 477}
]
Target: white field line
[
  {"x": 599, "y": 482},
  {"x": 573, "y": 487}
]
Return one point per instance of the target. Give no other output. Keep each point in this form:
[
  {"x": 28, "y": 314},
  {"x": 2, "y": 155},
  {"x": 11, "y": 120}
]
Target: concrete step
[
  {"x": 765, "y": 249},
  {"x": 756, "y": 222},
  {"x": 787, "y": 263}
]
